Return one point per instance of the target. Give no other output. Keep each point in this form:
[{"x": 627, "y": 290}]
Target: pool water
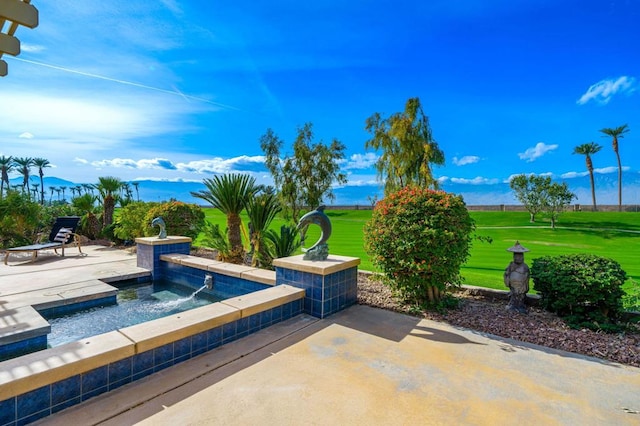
[{"x": 135, "y": 304}]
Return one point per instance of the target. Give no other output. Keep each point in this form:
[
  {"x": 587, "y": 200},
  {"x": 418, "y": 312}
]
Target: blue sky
[{"x": 180, "y": 90}]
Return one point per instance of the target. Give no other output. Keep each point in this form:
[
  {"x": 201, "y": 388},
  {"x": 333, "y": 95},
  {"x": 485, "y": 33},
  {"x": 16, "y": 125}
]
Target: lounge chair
[{"x": 63, "y": 234}]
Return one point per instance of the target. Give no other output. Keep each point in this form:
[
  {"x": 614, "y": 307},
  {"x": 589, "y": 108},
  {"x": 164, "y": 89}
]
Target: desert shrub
[
  {"x": 285, "y": 243},
  {"x": 584, "y": 289},
  {"x": 419, "y": 238},
  {"x": 131, "y": 221},
  {"x": 182, "y": 219}
]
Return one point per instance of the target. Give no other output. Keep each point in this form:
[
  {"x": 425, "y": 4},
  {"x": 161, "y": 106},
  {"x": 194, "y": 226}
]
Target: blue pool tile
[
  {"x": 94, "y": 392},
  {"x": 116, "y": 384},
  {"x": 198, "y": 343},
  {"x": 95, "y": 379},
  {"x": 7, "y": 411},
  {"x": 242, "y": 325},
  {"x": 254, "y": 322},
  {"x": 142, "y": 362},
  {"x": 162, "y": 355},
  {"x": 276, "y": 314},
  {"x": 66, "y": 404},
  {"x": 120, "y": 370},
  {"x": 214, "y": 338},
  {"x": 33, "y": 402},
  {"x": 265, "y": 318},
  {"x": 228, "y": 331},
  {"x": 182, "y": 347},
  {"x": 32, "y": 418},
  {"x": 65, "y": 390}
]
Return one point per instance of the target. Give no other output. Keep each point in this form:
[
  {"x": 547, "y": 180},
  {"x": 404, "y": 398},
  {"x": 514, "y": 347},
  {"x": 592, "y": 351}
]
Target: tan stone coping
[
  {"x": 258, "y": 301},
  {"x": 248, "y": 273},
  {"x": 21, "y": 323},
  {"x": 29, "y": 372},
  {"x": 155, "y": 241},
  {"x": 332, "y": 264}
]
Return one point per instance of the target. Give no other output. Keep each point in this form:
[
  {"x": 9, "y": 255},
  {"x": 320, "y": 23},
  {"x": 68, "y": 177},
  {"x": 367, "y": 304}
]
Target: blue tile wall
[
  {"x": 75, "y": 307},
  {"x": 324, "y": 294},
  {"x": 23, "y": 347},
  {"x": 149, "y": 256},
  {"x": 224, "y": 286},
  {"x": 50, "y": 399}
]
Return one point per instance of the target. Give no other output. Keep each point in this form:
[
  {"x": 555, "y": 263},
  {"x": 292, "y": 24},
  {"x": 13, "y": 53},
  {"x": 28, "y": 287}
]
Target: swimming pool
[{"x": 136, "y": 303}]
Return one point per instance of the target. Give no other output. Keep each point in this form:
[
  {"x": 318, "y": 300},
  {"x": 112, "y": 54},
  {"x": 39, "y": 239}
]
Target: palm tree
[
  {"x": 24, "y": 165},
  {"x": 6, "y": 164},
  {"x": 52, "y": 189},
  {"x": 588, "y": 149},
  {"x": 88, "y": 188},
  {"x": 108, "y": 188},
  {"x": 229, "y": 193},
  {"x": 90, "y": 222},
  {"x": 41, "y": 163},
  {"x": 63, "y": 189},
  {"x": 35, "y": 190},
  {"x": 261, "y": 210},
  {"x": 136, "y": 185},
  {"x": 615, "y": 133}
]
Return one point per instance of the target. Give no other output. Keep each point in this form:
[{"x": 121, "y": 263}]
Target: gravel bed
[{"x": 489, "y": 315}]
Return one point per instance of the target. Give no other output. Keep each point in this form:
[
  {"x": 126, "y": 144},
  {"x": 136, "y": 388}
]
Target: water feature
[{"x": 136, "y": 304}]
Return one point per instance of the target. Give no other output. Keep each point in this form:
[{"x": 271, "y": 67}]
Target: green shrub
[
  {"x": 20, "y": 220},
  {"x": 585, "y": 289},
  {"x": 419, "y": 238},
  {"x": 180, "y": 218},
  {"x": 131, "y": 221}
]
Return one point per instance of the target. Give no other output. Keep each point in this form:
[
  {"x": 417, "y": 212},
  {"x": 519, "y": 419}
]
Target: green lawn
[{"x": 602, "y": 233}]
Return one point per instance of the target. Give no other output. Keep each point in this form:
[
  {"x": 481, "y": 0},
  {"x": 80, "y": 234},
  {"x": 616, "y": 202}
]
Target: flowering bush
[{"x": 419, "y": 238}]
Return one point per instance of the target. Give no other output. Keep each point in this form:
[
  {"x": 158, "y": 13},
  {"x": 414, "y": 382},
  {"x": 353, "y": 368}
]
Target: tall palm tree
[
  {"x": 41, "y": 163},
  {"x": 6, "y": 164},
  {"x": 108, "y": 187},
  {"x": 136, "y": 185},
  {"x": 88, "y": 188},
  {"x": 52, "y": 189},
  {"x": 588, "y": 149},
  {"x": 24, "y": 165},
  {"x": 615, "y": 133},
  {"x": 35, "y": 190},
  {"x": 228, "y": 193},
  {"x": 63, "y": 189}
]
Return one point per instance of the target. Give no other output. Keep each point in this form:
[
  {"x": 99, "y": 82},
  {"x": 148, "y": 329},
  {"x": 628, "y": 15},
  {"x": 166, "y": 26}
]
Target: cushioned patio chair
[{"x": 63, "y": 234}]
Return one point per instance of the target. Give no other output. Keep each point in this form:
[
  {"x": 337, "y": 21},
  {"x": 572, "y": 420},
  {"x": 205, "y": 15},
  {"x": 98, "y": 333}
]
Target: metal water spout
[{"x": 208, "y": 281}]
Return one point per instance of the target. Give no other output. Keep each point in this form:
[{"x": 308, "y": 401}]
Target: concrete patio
[{"x": 360, "y": 366}]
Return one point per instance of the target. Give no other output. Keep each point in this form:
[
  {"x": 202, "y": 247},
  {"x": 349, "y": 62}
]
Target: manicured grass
[{"x": 601, "y": 233}]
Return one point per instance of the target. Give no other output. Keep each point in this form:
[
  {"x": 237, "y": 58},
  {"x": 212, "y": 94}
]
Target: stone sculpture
[
  {"x": 320, "y": 250},
  {"x": 163, "y": 229},
  {"x": 516, "y": 278}
]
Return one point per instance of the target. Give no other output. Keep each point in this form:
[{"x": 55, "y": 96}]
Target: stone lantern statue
[{"x": 516, "y": 277}]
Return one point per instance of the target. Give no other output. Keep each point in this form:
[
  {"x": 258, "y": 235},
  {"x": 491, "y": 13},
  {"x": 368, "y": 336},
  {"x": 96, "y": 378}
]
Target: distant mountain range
[{"x": 481, "y": 194}]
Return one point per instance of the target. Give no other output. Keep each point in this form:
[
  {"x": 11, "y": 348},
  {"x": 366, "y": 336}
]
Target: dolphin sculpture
[
  {"x": 320, "y": 250},
  {"x": 160, "y": 223}
]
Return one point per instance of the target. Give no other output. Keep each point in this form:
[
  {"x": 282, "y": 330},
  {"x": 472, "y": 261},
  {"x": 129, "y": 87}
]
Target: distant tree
[
  {"x": 6, "y": 165},
  {"x": 556, "y": 199},
  {"x": 530, "y": 191},
  {"x": 63, "y": 189},
  {"x": 52, "y": 189},
  {"x": 35, "y": 190},
  {"x": 304, "y": 179},
  {"x": 136, "y": 185},
  {"x": 615, "y": 133},
  {"x": 229, "y": 193},
  {"x": 24, "y": 164},
  {"x": 41, "y": 163},
  {"x": 588, "y": 149},
  {"x": 108, "y": 188},
  {"x": 408, "y": 148}
]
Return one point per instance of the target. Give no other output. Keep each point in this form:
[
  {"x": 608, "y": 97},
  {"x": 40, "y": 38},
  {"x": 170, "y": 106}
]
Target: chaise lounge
[{"x": 63, "y": 234}]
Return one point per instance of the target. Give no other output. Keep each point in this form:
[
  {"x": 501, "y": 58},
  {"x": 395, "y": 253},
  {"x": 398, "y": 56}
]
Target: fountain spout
[{"x": 208, "y": 281}]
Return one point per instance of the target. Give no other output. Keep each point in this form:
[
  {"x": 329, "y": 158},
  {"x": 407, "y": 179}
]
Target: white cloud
[
  {"x": 604, "y": 90},
  {"x": 467, "y": 159},
  {"x": 221, "y": 165},
  {"x": 531, "y": 154},
  {"x": 360, "y": 161},
  {"x": 601, "y": 170},
  {"x": 26, "y": 135},
  {"x": 478, "y": 180},
  {"x": 545, "y": 174}
]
